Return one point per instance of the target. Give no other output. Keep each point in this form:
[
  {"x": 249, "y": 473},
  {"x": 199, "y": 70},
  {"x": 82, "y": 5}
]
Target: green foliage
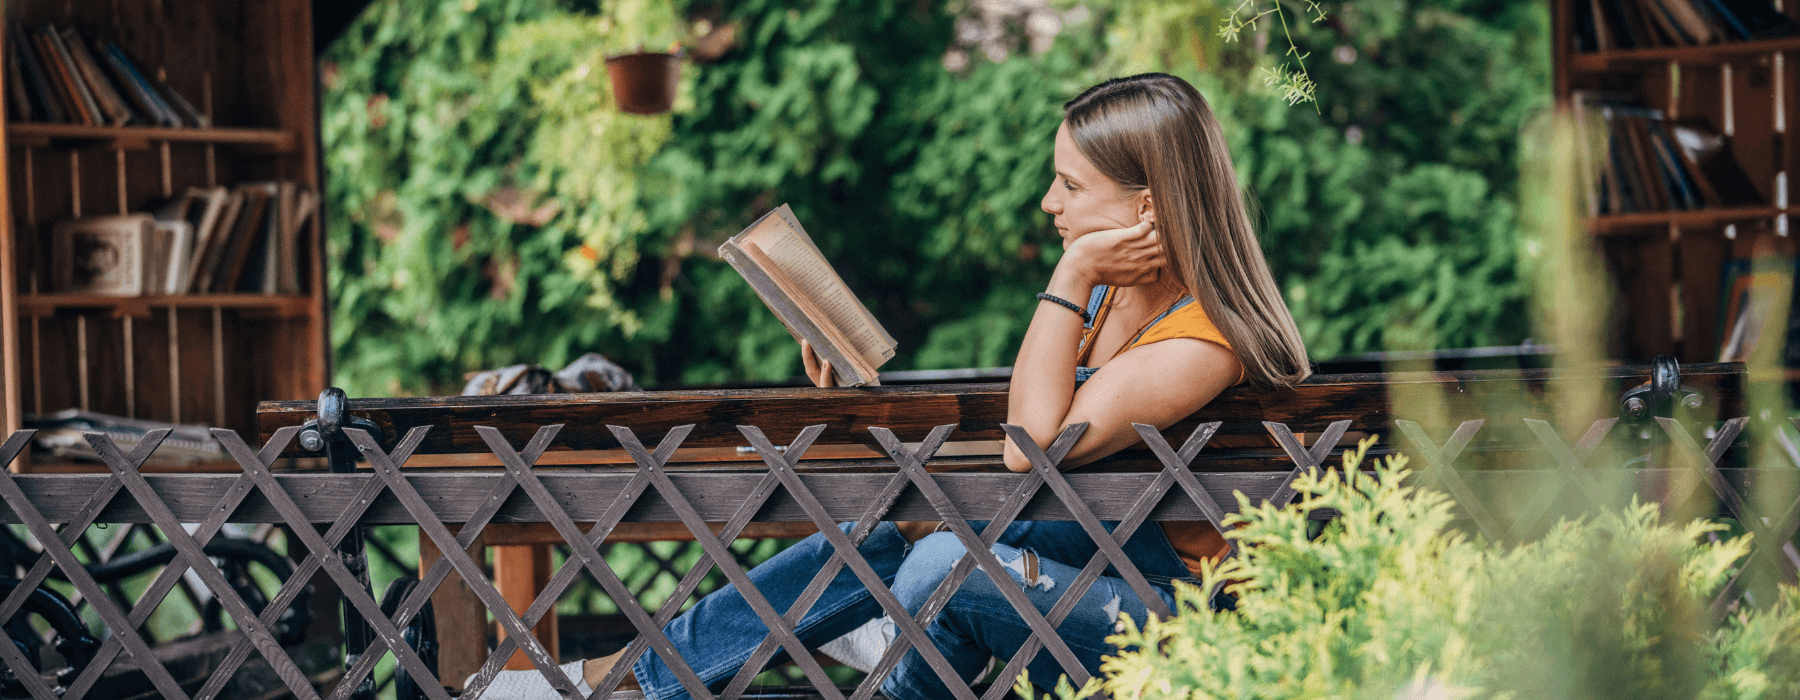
[
  {"x": 490, "y": 207},
  {"x": 483, "y": 184},
  {"x": 1392, "y": 602}
]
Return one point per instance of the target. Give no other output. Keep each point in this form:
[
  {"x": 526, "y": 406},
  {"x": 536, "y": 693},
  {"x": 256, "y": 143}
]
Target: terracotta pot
[{"x": 644, "y": 83}]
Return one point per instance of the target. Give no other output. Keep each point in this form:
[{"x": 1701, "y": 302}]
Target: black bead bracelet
[{"x": 1072, "y": 306}]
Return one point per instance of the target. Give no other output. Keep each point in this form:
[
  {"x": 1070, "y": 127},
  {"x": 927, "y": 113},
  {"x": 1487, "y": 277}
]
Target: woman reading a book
[{"x": 1161, "y": 301}]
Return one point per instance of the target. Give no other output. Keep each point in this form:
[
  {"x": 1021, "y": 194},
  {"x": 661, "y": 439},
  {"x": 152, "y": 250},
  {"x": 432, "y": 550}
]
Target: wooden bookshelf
[
  {"x": 1666, "y": 266},
  {"x": 199, "y": 358}
]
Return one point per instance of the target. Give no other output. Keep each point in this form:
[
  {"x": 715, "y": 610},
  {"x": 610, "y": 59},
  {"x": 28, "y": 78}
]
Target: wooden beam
[
  {"x": 976, "y": 409},
  {"x": 454, "y": 496}
]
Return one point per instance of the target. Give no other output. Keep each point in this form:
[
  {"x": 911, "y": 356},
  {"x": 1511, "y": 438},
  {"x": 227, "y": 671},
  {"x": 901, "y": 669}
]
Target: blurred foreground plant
[{"x": 1392, "y": 602}]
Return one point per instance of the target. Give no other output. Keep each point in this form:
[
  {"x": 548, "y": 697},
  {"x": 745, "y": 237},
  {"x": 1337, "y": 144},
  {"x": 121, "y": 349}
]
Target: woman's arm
[{"x": 1156, "y": 384}]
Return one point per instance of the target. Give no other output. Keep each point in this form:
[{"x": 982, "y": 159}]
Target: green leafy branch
[{"x": 1296, "y": 86}]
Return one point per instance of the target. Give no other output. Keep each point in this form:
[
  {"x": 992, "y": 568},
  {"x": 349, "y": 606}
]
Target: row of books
[
  {"x": 1752, "y": 292},
  {"x": 1647, "y": 163},
  {"x": 248, "y": 239},
  {"x": 60, "y": 77},
  {"x": 1635, "y": 24},
  {"x": 62, "y": 435}
]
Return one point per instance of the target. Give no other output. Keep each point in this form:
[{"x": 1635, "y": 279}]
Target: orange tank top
[{"x": 1195, "y": 541}]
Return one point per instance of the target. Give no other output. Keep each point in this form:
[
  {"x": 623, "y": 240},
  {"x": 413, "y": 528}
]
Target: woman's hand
[
  {"x": 1122, "y": 257},
  {"x": 818, "y": 369}
]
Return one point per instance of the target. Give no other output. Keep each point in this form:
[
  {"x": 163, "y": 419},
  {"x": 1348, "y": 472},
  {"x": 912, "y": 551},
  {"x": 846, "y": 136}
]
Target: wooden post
[
  {"x": 461, "y": 621},
  {"x": 520, "y": 572}
]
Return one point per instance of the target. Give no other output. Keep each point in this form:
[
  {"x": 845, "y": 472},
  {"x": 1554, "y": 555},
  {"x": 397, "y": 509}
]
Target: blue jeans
[{"x": 717, "y": 635}]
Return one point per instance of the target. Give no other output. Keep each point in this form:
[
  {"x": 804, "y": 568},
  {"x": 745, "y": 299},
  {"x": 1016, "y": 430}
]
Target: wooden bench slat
[{"x": 976, "y": 409}]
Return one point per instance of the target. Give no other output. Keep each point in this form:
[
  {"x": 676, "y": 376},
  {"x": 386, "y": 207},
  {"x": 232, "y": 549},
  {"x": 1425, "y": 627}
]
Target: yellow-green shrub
[{"x": 1392, "y": 601}]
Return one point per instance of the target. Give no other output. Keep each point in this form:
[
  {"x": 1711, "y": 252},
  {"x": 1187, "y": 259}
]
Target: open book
[{"x": 781, "y": 263}]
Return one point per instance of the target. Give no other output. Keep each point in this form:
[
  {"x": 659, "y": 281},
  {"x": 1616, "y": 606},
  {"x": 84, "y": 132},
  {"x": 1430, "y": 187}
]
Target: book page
[
  {"x": 860, "y": 372},
  {"x": 814, "y": 279}
]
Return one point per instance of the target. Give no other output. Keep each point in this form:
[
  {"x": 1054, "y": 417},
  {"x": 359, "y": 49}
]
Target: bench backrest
[{"x": 1371, "y": 402}]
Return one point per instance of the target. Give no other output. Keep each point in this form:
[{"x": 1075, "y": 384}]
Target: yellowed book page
[
  {"x": 832, "y": 334},
  {"x": 815, "y": 281}
]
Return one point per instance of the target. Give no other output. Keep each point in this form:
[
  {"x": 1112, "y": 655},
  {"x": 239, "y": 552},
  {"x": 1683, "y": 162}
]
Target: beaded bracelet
[{"x": 1072, "y": 306}]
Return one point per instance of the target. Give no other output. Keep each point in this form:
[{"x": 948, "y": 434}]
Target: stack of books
[
  {"x": 1645, "y": 163},
  {"x": 1602, "y": 25},
  {"x": 249, "y": 239},
  {"x": 57, "y": 76}
]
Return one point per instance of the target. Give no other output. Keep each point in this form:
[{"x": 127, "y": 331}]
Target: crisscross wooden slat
[
  {"x": 783, "y": 466},
  {"x": 71, "y": 534},
  {"x": 187, "y": 549},
  {"x": 721, "y": 558},
  {"x": 348, "y": 584},
  {"x": 21, "y": 667},
  {"x": 440, "y": 569},
  {"x": 1009, "y": 510},
  {"x": 309, "y": 565},
  {"x": 590, "y": 558},
  {"x": 914, "y": 468},
  {"x": 78, "y": 575},
  {"x": 1305, "y": 460},
  {"x": 740, "y": 518},
  {"x": 472, "y": 574},
  {"x": 1174, "y": 464},
  {"x": 1440, "y": 467},
  {"x": 1571, "y": 470},
  {"x": 172, "y": 573},
  {"x": 1764, "y": 537},
  {"x": 821, "y": 581},
  {"x": 1052, "y": 474},
  {"x": 1704, "y": 461}
]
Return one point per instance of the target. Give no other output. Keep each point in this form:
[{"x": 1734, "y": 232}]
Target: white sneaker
[
  {"x": 864, "y": 646},
  {"x": 528, "y": 684}
]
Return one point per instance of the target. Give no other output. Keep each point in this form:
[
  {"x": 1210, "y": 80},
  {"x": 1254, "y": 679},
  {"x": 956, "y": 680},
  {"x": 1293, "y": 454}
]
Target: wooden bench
[
  {"x": 1502, "y": 443},
  {"x": 1473, "y": 439}
]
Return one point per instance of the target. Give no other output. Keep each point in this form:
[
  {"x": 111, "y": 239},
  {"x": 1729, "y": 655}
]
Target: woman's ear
[{"x": 1146, "y": 207}]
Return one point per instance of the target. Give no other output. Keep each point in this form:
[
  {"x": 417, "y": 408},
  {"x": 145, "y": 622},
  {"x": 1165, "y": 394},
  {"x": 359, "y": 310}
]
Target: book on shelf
[
  {"x": 247, "y": 239},
  {"x": 67, "y": 78},
  {"x": 1754, "y": 296},
  {"x": 1603, "y": 25},
  {"x": 105, "y": 255},
  {"x": 786, "y": 269},
  {"x": 44, "y": 105},
  {"x": 1634, "y": 160}
]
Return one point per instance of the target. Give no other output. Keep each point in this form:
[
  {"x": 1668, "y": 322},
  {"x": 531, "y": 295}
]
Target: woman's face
[{"x": 1083, "y": 200}]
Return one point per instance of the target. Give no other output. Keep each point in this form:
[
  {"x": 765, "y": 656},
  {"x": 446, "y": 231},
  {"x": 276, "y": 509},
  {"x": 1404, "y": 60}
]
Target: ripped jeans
[{"x": 718, "y": 634}]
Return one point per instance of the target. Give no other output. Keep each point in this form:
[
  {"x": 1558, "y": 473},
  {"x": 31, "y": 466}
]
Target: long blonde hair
[{"x": 1155, "y": 131}]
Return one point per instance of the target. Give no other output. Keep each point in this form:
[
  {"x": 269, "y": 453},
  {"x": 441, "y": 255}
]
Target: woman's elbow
[{"x": 1014, "y": 459}]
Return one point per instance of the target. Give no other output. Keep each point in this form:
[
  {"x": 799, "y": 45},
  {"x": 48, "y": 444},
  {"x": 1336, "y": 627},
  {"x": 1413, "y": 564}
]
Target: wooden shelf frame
[
  {"x": 202, "y": 358},
  {"x": 143, "y": 137},
  {"x": 280, "y": 305},
  {"x": 1637, "y": 223},
  {"x": 1711, "y": 54}
]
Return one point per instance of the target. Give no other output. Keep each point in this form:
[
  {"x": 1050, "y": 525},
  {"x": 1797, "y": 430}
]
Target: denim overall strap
[{"x": 1094, "y": 301}]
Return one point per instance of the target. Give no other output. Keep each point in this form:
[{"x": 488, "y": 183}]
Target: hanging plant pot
[{"x": 644, "y": 83}]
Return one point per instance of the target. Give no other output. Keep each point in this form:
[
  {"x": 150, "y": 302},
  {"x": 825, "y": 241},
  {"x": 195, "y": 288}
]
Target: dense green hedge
[{"x": 490, "y": 207}]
